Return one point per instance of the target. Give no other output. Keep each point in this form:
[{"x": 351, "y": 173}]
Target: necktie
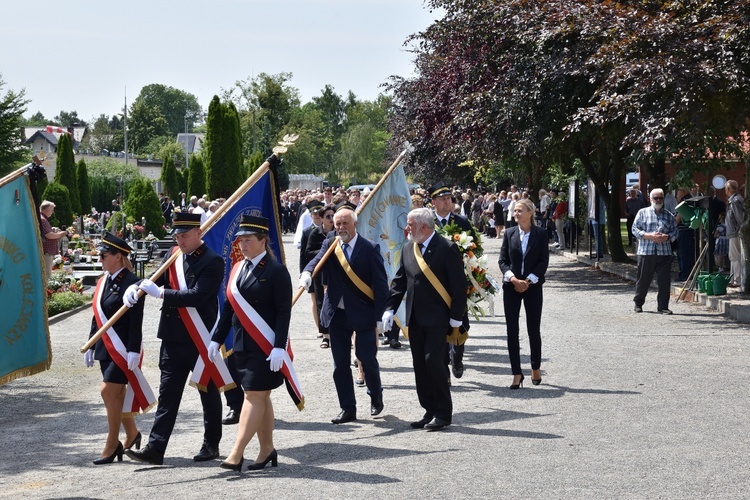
[
  {"x": 245, "y": 273},
  {"x": 443, "y": 222},
  {"x": 345, "y": 246},
  {"x": 421, "y": 248}
]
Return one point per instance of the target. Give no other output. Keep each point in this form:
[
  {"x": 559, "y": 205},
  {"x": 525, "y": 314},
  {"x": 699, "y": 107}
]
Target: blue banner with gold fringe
[{"x": 23, "y": 293}]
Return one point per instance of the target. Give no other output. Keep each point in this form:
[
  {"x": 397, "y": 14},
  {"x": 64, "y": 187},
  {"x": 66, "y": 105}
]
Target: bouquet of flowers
[{"x": 479, "y": 285}]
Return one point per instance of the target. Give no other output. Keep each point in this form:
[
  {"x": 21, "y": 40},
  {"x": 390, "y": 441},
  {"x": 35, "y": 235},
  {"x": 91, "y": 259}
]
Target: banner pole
[
  {"x": 14, "y": 175},
  {"x": 331, "y": 248},
  {"x": 210, "y": 222}
]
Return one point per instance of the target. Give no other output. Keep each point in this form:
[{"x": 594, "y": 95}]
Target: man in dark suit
[
  {"x": 323, "y": 225},
  {"x": 203, "y": 274},
  {"x": 442, "y": 202},
  {"x": 357, "y": 287},
  {"x": 432, "y": 277}
]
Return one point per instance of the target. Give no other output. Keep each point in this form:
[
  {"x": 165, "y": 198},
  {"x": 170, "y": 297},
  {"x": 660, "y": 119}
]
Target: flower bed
[{"x": 64, "y": 293}]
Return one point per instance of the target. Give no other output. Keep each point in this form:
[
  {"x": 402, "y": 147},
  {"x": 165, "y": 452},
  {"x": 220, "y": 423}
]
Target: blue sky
[{"x": 82, "y": 54}]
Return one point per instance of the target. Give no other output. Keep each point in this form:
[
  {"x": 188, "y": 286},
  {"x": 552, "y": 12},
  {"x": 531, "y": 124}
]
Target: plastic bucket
[{"x": 708, "y": 285}]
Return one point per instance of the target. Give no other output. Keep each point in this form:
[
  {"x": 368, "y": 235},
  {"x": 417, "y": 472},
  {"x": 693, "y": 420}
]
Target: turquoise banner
[{"x": 25, "y": 346}]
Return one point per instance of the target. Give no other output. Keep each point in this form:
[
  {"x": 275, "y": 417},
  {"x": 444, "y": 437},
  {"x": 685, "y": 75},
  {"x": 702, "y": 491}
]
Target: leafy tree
[
  {"x": 169, "y": 181},
  {"x": 68, "y": 119},
  {"x": 60, "y": 196},
  {"x": 253, "y": 162},
  {"x": 12, "y": 106},
  {"x": 103, "y": 135},
  {"x": 37, "y": 120},
  {"x": 143, "y": 201},
  {"x": 613, "y": 84},
  {"x": 158, "y": 102},
  {"x": 65, "y": 171},
  {"x": 84, "y": 190},
  {"x": 146, "y": 122},
  {"x": 196, "y": 184}
]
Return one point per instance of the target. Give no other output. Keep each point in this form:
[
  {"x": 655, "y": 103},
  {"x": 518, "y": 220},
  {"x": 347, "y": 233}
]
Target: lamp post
[{"x": 186, "y": 140}]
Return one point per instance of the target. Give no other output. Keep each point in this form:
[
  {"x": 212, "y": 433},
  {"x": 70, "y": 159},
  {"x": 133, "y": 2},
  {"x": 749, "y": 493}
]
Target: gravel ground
[{"x": 631, "y": 406}]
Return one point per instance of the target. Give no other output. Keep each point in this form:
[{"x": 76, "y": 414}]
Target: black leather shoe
[
  {"x": 458, "y": 368},
  {"x": 376, "y": 408},
  {"x": 344, "y": 417},
  {"x": 395, "y": 344},
  {"x": 419, "y": 424},
  {"x": 436, "y": 424},
  {"x": 207, "y": 453},
  {"x": 638, "y": 309},
  {"x": 232, "y": 418},
  {"x": 148, "y": 455}
]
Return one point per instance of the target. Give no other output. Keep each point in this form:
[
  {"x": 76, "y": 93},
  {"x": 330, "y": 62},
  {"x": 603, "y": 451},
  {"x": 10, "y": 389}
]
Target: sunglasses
[
  {"x": 330, "y": 216},
  {"x": 657, "y": 198}
]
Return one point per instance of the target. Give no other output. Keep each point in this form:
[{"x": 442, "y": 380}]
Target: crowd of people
[{"x": 356, "y": 305}]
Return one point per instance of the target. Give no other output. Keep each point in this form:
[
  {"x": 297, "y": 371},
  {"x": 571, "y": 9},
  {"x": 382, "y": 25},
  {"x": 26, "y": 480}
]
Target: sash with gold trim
[
  {"x": 205, "y": 369},
  {"x": 257, "y": 328},
  {"x": 362, "y": 289},
  {"x": 138, "y": 394},
  {"x": 456, "y": 337}
]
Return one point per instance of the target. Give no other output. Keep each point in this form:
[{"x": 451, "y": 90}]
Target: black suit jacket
[
  {"x": 423, "y": 302},
  {"x": 204, "y": 276},
  {"x": 458, "y": 220},
  {"x": 536, "y": 259},
  {"x": 269, "y": 292},
  {"x": 304, "y": 258},
  {"x": 130, "y": 326},
  {"x": 367, "y": 263}
]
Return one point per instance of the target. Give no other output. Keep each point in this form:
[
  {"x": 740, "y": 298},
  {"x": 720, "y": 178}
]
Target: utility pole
[{"x": 125, "y": 124}]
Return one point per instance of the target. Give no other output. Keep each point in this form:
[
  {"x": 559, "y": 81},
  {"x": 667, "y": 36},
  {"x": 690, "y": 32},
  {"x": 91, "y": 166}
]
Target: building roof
[
  {"x": 50, "y": 138},
  {"x": 194, "y": 141}
]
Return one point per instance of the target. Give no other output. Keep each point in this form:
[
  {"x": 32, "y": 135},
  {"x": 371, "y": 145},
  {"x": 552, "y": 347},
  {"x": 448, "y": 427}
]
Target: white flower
[{"x": 464, "y": 240}]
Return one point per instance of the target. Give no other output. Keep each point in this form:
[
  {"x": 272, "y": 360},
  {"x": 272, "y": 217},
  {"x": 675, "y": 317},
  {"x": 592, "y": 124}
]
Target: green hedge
[{"x": 65, "y": 301}]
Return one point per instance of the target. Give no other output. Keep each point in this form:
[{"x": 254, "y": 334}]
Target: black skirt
[
  {"x": 255, "y": 372},
  {"x": 112, "y": 373}
]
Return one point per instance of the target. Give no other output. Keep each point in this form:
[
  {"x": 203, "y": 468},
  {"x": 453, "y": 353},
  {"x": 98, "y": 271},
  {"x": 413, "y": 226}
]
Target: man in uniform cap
[
  {"x": 442, "y": 203},
  {"x": 203, "y": 274}
]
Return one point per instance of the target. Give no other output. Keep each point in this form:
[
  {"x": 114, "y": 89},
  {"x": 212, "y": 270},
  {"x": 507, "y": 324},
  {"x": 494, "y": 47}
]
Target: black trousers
[
  {"x": 532, "y": 301},
  {"x": 176, "y": 361},
  {"x": 648, "y": 265},
  {"x": 428, "y": 348}
]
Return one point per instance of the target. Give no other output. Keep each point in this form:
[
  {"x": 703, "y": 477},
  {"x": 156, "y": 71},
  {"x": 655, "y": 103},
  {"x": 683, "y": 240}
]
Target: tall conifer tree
[
  {"x": 84, "y": 189},
  {"x": 65, "y": 173}
]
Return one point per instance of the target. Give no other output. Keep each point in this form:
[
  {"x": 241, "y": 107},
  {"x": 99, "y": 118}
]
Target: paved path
[{"x": 631, "y": 406}]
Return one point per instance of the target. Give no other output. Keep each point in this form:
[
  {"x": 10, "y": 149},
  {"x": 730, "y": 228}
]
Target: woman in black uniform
[
  {"x": 117, "y": 353},
  {"x": 258, "y": 306}
]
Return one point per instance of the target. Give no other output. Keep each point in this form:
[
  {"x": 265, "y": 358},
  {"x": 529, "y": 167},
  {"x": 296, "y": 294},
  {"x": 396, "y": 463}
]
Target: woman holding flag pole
[
  {"x": 258, "y": 307},
  {"x": 124, "y": 390}
]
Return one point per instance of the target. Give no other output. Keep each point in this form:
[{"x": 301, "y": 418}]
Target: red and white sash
[
  {"x": 263, "y": 335},
  {"x": 205, "y": 370},
  {"x": 138, "y": 395}
]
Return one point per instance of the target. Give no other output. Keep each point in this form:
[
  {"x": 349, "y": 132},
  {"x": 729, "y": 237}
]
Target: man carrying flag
[
  {"x": 354, "y": 301},
  {"x": 188, "y": 317}
]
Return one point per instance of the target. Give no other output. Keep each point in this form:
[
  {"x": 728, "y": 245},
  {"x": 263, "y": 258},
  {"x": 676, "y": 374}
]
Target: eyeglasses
[
  {"x": 329, "y": 217},
  {"x": 657, "y": 198}
]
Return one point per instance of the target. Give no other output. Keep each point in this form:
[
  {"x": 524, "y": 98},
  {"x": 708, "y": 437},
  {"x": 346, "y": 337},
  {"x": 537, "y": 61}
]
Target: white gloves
[
  {"x": 387, "y": 320},
  {"x": 276, "y": 358},
  {"x": 213, "y": 350},
  {"x": 455, "y": 323},
  {"x": 150, "y": 288},
  {"x": 305, "y": 280},
  {"x": 88, "y": 358},
  {"x": 130, "y": 297},
  {"x": 133, "y": 360}
]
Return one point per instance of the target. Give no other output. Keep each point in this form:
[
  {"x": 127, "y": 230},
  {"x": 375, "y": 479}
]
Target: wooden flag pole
[
  {"x": 331, "y": 248},
  {"x": 210, "y": 222}
]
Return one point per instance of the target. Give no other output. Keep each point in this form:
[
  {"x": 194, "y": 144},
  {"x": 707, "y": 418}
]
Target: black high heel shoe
[
  {"x": 273, "y": 457},
  {"x": 111, "y": 458},
  {"x": 518, "y": 385},
  {"x": 136, "y": 442},
  {"x": 536, "y": 381},
  {"x": 235, "y": 467}
]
